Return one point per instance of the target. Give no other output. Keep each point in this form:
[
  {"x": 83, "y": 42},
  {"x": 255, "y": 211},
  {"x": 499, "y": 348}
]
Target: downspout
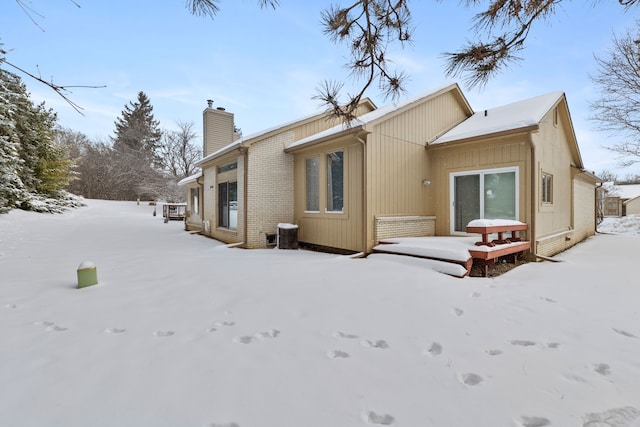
[
  {"x": 245, "y": 153},
  {"x": 364, "y": 193},
  {"x": 534, "y": 201},
  {"x": 201, "y": 201}
]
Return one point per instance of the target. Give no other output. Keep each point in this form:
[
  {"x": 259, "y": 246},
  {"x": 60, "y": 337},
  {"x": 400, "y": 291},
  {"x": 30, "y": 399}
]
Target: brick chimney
[{"x": 217, "y": 128}]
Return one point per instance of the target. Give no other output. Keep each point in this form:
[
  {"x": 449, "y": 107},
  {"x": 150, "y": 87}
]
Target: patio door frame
[{"x": 481, "y": 173}]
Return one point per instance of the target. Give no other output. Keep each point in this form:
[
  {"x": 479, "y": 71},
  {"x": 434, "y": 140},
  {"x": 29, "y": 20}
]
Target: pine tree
[
  {"x": 33, "y": 169},
  {"x": 137, "y": 132},
  {"x": 11, "y": 187}
]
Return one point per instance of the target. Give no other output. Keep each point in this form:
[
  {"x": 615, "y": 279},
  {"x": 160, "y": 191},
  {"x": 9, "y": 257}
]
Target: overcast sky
[{"x": 264, "y": 65}]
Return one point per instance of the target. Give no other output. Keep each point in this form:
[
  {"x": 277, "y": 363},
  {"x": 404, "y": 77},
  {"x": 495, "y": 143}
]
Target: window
[
  {"x": 228, "y": 205},
  {"x": 335, "y": 182},
  {"x": 547, "y": 188},
  {"x": 313, "y": 184},
  {"x": 229, "y": 167},
  {"x": 195, "y": 205},
  {"x": 489, "y": 194}
]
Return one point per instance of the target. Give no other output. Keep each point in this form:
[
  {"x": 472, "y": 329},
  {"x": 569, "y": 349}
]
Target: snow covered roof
[
  {"x": 189, "y": 179},
  {"x": 627, "y": 191},
  {"x": 518, "y": 115},
  {"x": 365, "y": 119}
]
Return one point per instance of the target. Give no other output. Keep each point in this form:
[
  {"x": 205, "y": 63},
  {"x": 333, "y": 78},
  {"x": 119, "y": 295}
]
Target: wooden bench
[{"x": 487, "y": 252}]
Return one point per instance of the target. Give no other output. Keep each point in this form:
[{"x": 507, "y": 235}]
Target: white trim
[{"x": 481, "y": 172}]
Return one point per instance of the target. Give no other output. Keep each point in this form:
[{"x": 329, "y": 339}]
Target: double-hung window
[
  {"x": 324, "y": 183},
  {"x": 195, "y": 204}
]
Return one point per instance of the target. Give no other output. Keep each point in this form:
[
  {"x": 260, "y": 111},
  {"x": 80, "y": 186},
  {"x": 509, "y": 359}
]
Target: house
[
  {"x": 622, "y": 199},
  {"x": 246, "y": 184},
  {"x": 425, "y": 166}
]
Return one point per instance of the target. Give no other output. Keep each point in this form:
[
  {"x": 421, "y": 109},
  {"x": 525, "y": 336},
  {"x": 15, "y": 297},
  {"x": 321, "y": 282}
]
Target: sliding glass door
[{"x": 487, "y": 194}]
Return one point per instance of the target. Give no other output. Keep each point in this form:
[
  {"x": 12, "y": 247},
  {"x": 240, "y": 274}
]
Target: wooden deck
[{"x": 463, "y": 251}]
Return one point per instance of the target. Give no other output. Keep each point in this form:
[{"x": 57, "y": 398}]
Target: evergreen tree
[
  {"x": 137, "y": 132},
  {"x": 33, "y": 169},
  {"x": 11, "y": 187}
]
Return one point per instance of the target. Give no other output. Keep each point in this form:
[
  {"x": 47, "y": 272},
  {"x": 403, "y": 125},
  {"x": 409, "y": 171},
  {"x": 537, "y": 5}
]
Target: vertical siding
[
  {"x": 510, "y": 151},
  {"x": 553, "y": 157},
  {"x": 398, "y": 162},
  {"x": 334, "y": 230}
]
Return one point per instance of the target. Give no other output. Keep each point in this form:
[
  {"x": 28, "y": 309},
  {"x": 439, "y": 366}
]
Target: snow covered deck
[{"x": 455, "y": 255}]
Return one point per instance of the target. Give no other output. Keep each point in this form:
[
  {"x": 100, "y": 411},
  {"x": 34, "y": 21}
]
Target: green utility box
[{"x": 87, "y": 274}]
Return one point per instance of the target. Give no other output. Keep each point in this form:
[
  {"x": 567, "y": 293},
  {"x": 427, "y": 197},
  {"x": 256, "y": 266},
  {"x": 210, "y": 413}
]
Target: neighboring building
[
  {"x": 422, "y": 167},
  {"x": 622, "y": 199}
]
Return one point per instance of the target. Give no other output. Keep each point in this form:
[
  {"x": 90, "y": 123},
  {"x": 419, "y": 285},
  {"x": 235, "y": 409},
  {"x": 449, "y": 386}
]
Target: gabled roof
[
  {"x": 368, "y": 120},
  {"x": 522, "y": 115},
  {"x": 246, "y": 141}
]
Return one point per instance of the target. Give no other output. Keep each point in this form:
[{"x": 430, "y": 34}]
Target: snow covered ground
[{"x": 183, "y": 331}]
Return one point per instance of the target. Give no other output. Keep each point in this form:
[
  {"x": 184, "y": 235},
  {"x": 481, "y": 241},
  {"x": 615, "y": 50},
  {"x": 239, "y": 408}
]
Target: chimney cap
[
  {"x": 220, "y": 109},
  {"x": 210, "y": 102}
]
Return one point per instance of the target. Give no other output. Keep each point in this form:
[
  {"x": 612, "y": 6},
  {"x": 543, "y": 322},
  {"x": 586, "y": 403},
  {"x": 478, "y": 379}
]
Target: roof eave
[
  {"x": 353, "y": 130},
  {"x": 490, "y": 135}
]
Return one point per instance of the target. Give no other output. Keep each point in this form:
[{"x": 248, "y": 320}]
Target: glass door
[{"x": 489, "y": 194}]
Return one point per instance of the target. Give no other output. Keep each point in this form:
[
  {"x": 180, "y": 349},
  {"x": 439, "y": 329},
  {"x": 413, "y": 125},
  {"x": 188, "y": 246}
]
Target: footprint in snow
[
  {"x": 602, "y": 368},
  {"x": 11, "y": 306},
  {"x": 56, "y": 328},
  {"x": 494, "y": 352},
  {"x": 547, "y": 299},
  {"x": 162, "y": 334},
  {"x": 219, "y": 324},
  {"x": 523, "y": 343},
  {"x": 457, "y": 311},
  {"x": 271, "y": 333},
  {"x": 476, "y": 295},
  {"x": 114, "y": 331},
  {"x": 247, "y": 339},
  {"x": 337, "y": 354},
  {"x": 375, "y": 344},
  {"x": 618, "y": 417},
  {"x": 553, "y": 344},
  {"x": 339, "y": 334},
  {"x": 371, "y": 417},
  {"x": 471, "y": 379},
  {"x": 435, "y": 349},
  {"x": 624, "y": 333},
  {"x": 210, "y": 330},
  {"x": 534, "y": 422},
  {"x": 44, "y": 323}
]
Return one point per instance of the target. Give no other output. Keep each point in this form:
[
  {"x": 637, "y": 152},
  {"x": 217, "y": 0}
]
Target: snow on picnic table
[{"x": 183, "y": 331}]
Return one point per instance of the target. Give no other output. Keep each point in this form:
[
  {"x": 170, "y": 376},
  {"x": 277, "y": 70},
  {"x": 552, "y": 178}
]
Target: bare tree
[
  {"x": 177, "y": 152},
  {"x": 618, "y": 108}
]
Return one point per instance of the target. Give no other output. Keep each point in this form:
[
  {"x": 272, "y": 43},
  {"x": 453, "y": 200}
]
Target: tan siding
[
  {"x": 403, "y": 226},
  {"x": 584, "y": 222},
  {"x": 335, "y": 230},
  {"x": 510, "y": 151},
  {"x": 398, "y": 162},
  {"x": 633, "y": 206},
  {"x": 217, "y": 130}
]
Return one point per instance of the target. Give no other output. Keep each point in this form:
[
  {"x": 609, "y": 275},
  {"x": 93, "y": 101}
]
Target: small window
[
  {"x": 229, "y": 167},
  {"x": 195, "y": 205},
  {"x": 313, "y": 184},
  {"x": 335, "y": 182},
  {"x": 547, "y": 188}
]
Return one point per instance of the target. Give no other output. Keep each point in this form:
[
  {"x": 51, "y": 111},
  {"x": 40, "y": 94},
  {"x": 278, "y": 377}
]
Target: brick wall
[
  {"x": 403, "y": 226},
  {"x": 270, "y": 188}
]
